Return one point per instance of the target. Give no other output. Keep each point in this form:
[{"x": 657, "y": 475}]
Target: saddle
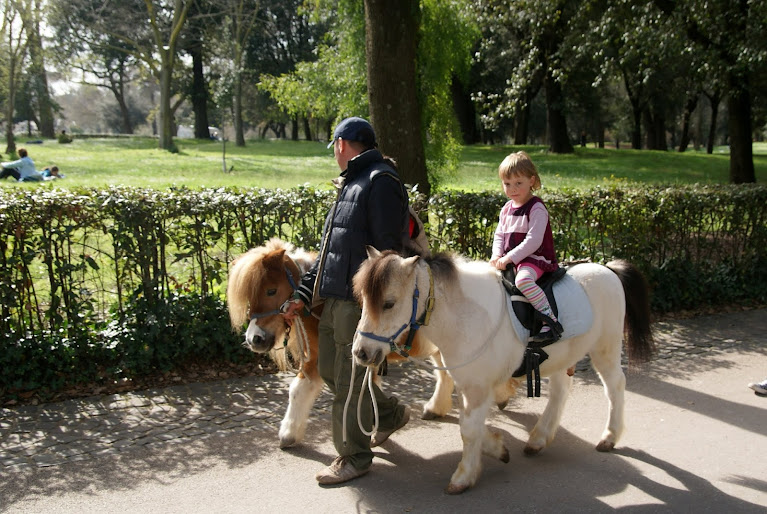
[{"x": 533, "y": 321}]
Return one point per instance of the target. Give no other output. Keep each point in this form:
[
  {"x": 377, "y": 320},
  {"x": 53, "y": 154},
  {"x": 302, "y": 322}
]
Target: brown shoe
[
  {"x": 382, "y": 435},
  {"x": 339, "y": 471}
]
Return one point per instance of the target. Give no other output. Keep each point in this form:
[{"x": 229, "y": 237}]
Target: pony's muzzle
[
  {"x": 368, "y": 356},
  {"x": 257, "y": 339}
]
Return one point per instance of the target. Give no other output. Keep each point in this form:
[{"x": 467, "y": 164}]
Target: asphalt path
[{"x": 696, "y": 441}]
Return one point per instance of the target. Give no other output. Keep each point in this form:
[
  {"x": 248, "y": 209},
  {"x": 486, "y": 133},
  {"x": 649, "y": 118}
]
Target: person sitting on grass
[{"x": 22, "y": 169}]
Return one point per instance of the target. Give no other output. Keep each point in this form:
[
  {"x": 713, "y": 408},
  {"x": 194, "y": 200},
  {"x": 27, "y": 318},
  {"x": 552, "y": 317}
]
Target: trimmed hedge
[{"x": 125, "y": 282}]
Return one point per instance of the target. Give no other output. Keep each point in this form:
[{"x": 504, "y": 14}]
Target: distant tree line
[{"x": 433, "y": 74}]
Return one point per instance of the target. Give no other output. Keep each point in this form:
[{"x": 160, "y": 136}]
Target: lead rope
[
  {"x": 302, "y": 339},
  {"x": 368, "y": 378},
  {"x": 304, "y": 350}
]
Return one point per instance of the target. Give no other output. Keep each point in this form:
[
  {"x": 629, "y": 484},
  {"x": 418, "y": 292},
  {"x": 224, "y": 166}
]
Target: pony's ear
[
  {"x": 372, "y": 252},
  {"x": 274, "y": 259},
  {"x": 410, "y": 261}
]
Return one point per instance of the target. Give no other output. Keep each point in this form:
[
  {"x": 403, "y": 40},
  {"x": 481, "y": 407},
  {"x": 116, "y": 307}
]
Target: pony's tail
[{"x": 640, "y": 341}]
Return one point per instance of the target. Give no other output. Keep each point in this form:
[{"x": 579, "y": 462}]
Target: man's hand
[{"x": 292, "y": 309}]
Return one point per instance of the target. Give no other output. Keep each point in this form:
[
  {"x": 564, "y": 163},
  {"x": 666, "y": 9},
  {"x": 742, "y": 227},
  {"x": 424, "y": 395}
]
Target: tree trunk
[
  {"x": 117, "y": 91},
  {"x": 239, "y": 131},
  {"x": 199, "y": 95},
  {"x": 689, "y": 108},
  {"x": 294, "y": 128},
  {"x": 166, "y": 116},
  {"x": 307, "y": 129},
  {"x": 714, "y": 99},
  {"x": 655, "y": 125},
  {"x": 10, "y": 99},
  {"x": 40, "y": 81},
  {"x": 391, "y": 29},
  {"x": 741, "y": 151},
  {"x": 522, "y": 124},
  {"x": 601, "y": 132},
  {"x": 559, "y": 139},
  {"x": 464, "y": 112}
]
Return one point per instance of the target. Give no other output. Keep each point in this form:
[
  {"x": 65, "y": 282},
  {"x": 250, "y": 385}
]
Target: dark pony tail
[{"x": 639, "y": 336}]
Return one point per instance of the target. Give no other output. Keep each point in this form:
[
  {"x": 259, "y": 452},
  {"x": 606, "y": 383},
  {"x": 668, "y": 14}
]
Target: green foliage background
[{"x": 102, "y": 284}]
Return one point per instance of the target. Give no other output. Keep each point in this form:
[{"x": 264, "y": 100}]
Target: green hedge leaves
[{"x": 101, "y": 284}]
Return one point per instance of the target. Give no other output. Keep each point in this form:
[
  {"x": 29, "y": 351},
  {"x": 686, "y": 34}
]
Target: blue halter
[
  {"x": 414, "y": 324},
  {"x": 259, "y": 315}
]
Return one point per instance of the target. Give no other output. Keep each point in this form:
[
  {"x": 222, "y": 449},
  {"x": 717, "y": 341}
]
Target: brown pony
[{"x": 260, "y": 282}]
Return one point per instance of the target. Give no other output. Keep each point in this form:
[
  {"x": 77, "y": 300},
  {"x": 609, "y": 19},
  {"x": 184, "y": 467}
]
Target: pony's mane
[
  {"x": 374, "y": 274},
  {"x": 247, "y": 273}
]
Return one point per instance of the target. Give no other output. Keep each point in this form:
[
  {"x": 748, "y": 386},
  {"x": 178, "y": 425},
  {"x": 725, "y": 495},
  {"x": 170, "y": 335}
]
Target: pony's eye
[
  {"x": 388, "y": 306},
  {"x": 271, "y": 292}
]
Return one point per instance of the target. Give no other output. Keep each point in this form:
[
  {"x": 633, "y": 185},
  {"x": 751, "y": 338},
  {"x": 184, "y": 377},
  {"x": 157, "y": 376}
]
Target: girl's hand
[{"x": 501, "y": 263}]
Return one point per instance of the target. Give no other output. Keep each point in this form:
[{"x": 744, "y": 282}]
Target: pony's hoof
[
  {"x": 429, "y": 415},
  {"x": 287, "y": 442},
  {"x": 505, "y": 455},
  {"x": 456, "y": 489},
  {"x": 503, "y": 405},
  {"x": 530, "y": 451},
  {"x": 605, "y": 446}
]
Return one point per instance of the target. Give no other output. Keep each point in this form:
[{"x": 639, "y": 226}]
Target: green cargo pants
[{"x": 336, "y": 333}]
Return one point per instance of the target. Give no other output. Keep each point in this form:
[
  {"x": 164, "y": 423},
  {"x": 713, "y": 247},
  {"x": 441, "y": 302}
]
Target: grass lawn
[{"x": 286, "y": 164}]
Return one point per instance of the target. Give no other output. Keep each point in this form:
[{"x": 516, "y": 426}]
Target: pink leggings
[{"x": 527, "y": 274}]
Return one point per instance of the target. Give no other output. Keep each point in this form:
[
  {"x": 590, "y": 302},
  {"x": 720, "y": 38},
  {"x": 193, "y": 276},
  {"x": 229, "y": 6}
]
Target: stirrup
[{"x": 550, "y": 336}]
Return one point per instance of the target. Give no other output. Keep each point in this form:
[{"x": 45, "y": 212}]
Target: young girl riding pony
[{"x": 523, "y": 238}]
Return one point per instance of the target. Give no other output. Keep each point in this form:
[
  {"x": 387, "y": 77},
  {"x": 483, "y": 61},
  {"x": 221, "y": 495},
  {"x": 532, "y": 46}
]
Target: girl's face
[{"x": 518, "y": 188}]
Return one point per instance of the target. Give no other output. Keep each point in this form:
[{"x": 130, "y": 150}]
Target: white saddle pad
[{"x": 574, "y": 309}]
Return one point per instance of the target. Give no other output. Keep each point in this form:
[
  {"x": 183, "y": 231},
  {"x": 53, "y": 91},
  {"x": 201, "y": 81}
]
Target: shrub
[{"x": 125, "y": 282}]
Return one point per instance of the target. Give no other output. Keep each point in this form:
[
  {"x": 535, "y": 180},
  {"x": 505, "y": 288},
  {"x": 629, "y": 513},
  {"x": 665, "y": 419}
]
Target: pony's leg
[
  {"x": 304, "y": 390},
  {"x": 608, "y": 365},
  {"x": 441, "y": 401},
  {"x": 477, "y": 439},
  {"x": 546, "y": 428},
  {"x": 505, "y": 391}
]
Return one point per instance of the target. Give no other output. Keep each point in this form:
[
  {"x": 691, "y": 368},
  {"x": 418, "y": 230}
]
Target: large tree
[
  {"x": 531, "y": 38},
  {"x": 13, "y": 51},
  {"x": 732, "y": 33},
  {"x": 32, "y": 18},
  {"x": 391, "y": 49},
  {"x": 149, "y": 30}
]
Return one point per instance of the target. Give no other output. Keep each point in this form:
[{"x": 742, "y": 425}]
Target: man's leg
[{"x": 345, "y": 316}]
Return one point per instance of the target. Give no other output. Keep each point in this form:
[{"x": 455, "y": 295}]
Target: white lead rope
[{"x": 368, "y": 378}]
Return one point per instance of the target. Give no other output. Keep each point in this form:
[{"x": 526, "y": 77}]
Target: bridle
[
  {"x": 414, "y": 324},
  {"x": 304, "y": 350}
]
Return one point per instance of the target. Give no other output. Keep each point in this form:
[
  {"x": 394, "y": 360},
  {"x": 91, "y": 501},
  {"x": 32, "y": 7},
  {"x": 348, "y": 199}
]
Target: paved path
[{"x": 695, "y": 441}]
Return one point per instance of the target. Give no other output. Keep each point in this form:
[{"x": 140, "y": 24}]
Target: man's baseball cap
[{"x": 355, "y": 129}]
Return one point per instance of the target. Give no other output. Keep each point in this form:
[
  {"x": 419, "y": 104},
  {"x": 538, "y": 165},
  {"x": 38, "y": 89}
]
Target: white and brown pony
[
  {"x": 471, "y": 327},
  {"x": 260, "y": 282}
]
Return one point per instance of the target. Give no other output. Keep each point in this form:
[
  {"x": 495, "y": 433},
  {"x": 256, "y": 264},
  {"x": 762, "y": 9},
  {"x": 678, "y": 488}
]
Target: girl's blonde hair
[{"x": 519, "y": 163}]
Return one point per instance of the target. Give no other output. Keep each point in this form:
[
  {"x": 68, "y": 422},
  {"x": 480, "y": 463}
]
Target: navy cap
[{"x": 355, "y": 129}]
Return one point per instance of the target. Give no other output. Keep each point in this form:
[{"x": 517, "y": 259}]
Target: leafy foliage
[{"x": 122, "y": 282}]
